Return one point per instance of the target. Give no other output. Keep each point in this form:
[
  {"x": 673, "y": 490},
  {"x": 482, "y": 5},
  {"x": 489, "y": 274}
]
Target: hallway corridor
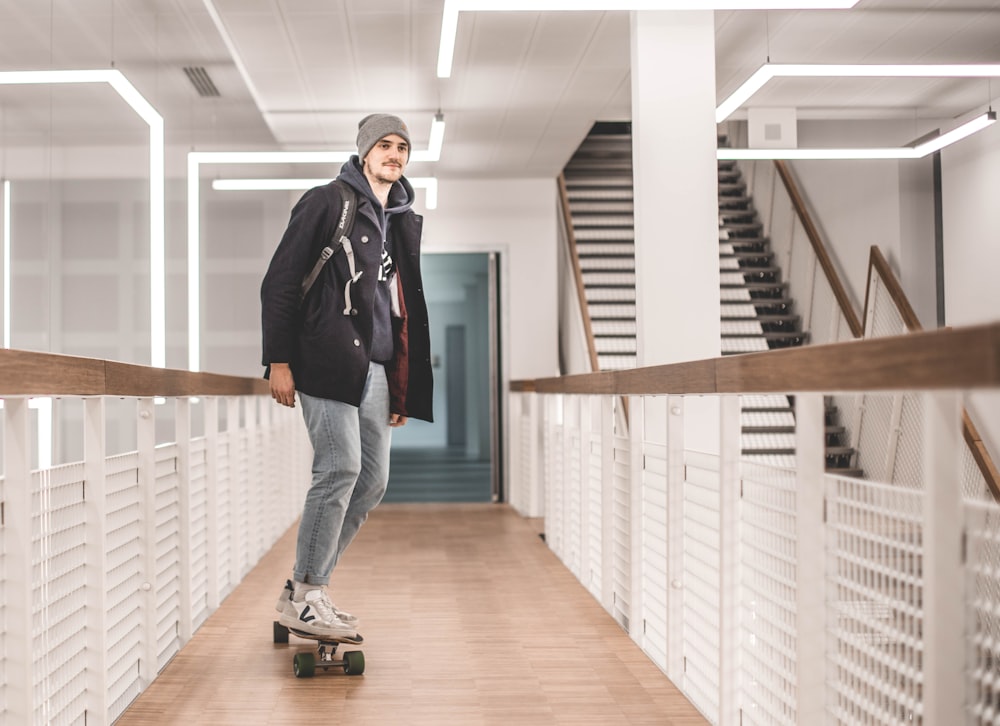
[{"x": 468, "y": 619}]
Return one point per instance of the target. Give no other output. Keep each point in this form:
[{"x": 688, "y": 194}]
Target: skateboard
[{"x": 304, "y": 664}]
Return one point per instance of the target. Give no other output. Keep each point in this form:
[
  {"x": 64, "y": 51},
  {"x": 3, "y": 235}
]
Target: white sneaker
[
  {"x": 286, "y": 595},
  {"x": 313, "y": 615},
  {"x": 289, "y": 590}
]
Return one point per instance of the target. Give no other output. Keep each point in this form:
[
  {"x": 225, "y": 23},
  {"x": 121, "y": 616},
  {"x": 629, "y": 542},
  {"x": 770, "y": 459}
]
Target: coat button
[
  {"x": 357, "y": 343},
  {"x": 364, "y": 239},
  {"x": 354, "y": 311}
]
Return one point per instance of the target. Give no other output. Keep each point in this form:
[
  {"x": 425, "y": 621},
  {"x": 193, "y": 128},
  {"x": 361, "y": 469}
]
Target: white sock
[{"x": 301, "y": 588}]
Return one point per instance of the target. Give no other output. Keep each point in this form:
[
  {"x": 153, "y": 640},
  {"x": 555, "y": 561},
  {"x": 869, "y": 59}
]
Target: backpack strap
[{"x": 345, "y": 224}]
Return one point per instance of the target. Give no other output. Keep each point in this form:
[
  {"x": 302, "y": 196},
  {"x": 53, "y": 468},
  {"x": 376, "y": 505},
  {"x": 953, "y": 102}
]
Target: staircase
[
  {"x": 757, "y": 310},
  {"x": 599, "y": 187}
]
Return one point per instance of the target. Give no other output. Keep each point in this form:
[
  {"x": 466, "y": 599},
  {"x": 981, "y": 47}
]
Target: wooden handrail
[
  {"x": 27, "y": 373},
  {"x": 877, "y": 264},
  {"x": 839, "y": 291},
  {"x": 574, "y": 256},
  {"x": 945, "y": 359}
]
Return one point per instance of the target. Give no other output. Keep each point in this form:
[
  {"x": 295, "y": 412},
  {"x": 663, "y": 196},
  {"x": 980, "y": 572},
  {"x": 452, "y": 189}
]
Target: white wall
[
  {"x": 517, "y": 219},
  {"x": 970, "y": 172},
  {"x": 890, "y": 203}
]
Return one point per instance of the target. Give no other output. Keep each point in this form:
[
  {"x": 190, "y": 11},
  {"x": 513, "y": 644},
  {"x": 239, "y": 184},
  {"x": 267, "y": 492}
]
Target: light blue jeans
[{"x": 350, "y": 473}]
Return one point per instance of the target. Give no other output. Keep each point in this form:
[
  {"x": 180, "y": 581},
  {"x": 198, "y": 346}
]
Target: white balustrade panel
[{"x": 124, "y": 567}]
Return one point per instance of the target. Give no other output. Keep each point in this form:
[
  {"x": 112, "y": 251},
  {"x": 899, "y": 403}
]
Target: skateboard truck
[{"x": 304, "y": 664}]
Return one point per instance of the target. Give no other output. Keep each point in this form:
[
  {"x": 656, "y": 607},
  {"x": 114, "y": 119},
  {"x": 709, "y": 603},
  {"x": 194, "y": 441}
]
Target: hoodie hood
[{"x": 400, "y": 195}]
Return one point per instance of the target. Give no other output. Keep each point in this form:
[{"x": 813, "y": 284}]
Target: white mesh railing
[
  {"x": 779, "y": 596},
  {"x": 110, "y": 564},
  {"x": 882, "y": 430}
]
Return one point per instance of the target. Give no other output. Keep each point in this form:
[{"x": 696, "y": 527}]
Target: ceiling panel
[{"x": 526, "y": 85}]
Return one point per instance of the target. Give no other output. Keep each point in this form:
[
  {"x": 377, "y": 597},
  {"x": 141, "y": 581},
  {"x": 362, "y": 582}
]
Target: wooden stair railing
[
  {"x": 574, "y": 256},
  {"x": 878, "y": 264},
  {"x": 825, "y": 261}
]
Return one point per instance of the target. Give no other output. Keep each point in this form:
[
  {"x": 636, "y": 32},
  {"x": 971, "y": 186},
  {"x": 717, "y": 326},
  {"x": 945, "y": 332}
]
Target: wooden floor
[{"x": 468, "y": 619}]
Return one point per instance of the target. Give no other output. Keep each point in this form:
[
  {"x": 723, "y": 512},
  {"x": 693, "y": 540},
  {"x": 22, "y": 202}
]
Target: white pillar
[
  {"x": 675, "y": 173},
  {"x": 182, "y": 417},
  {"x": 675, "y": 538},
  {"x": 146, "y": 445},
  {"x": 729, "y": 505},
  {"x": 944, "y": 569},
  {"x": 96, "y": 556},
  {"x": 810, "y": 572},
  {"x": 17, "y": 539}
]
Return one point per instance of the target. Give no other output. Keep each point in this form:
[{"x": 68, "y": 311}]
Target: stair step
[
  {"x": 602, "y": 206},
  {"x": 755, "y": 286},
  {"x": 830, "y": 430},
  {"x": 763, "y": 319},
  {"x": 604, "y": 235},
  {"x": 605, "y": 248},
  {"x": 848, "y": 472},
  {"x": 839, "y": 450},
  {"x": 582, "y": 180},
  {"x": 771, "y": 336},
  {"x": 744, "y": 254},
  {"x": 768, "y": 452},
  {"x": 593, "y": 221}
]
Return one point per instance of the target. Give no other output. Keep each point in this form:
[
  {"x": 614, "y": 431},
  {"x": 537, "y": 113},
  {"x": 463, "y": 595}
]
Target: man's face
[{"x": 387, "y": 159}]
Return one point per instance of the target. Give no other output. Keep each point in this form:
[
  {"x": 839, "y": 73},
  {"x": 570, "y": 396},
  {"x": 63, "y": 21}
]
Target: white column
[
  {"x": 675, "y": 538},
  {"x": 637, "y": 529},
  {"x": 17, "y": 519},
  {"x": 810, "y": 571},
  {"x": 944, "y": 570},
  {"x": 729, "y": 503},
  {"x": 212, "y": 575},
  {"x": 607, "y": 504},
  {"x": 675, "y": 172},
  {"x": 182, "y": 417},
  {"x": 146, "y": 446},
  {"x": 96, "y": 507}
]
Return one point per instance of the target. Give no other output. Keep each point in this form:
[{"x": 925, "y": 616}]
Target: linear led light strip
[
  {"x": 129, "y": 94},
  {"x": 197, "y": 158},
  {"x": 449, "y": 20},
  {"x": 807, "y": 70},
  {"x": 428, "y": 183},
  {"x": 905, "y": 152},
  {"x": 792, "y": 70}
]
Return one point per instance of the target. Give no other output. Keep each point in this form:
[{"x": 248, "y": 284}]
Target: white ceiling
[{"x": 526, "y": 86}]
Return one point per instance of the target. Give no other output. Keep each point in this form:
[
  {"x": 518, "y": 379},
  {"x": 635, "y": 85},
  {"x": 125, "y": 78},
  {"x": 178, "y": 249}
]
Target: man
[{"x": 356, "y": 350}]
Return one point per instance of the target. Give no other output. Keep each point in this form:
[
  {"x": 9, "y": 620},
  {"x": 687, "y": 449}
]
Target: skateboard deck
[{"x": 304, "y": 664}]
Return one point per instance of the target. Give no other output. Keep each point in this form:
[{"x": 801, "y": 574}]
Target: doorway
[{"x": 456, "y": 458}]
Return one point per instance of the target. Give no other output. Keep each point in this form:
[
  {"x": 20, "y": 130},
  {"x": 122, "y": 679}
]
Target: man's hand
[
  {"x": 282, "y": 384},
  {"x": 396, "y": 419}
]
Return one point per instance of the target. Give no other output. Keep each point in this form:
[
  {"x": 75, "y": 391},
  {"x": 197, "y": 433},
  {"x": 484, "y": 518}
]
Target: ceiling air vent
[{"x": 201, "y": 81}]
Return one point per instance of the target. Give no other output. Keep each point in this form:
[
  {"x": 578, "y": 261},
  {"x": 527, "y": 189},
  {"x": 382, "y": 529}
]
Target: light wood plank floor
[{"x": 468, "y": 619}]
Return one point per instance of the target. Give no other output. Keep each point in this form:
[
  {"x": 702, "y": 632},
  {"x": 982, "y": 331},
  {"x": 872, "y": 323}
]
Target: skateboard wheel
[
  {"x": 304, "y": 665},
  {"x": 354, "y": 662},
  {"x": 280, "y": 633}
]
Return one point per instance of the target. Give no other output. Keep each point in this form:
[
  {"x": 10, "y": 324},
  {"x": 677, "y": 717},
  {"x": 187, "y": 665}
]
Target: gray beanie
[{"x": 375, "y": 127}]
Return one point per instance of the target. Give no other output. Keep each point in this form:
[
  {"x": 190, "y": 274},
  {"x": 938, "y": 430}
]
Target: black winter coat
[{"x": 329, "y": 352}]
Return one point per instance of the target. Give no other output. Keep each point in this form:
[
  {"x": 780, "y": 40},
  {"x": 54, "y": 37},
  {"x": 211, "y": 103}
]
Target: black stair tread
[
  {"x": 839, "y": 450},
  {"x": 779, "y": 318},
  {"x": 746, "y": 255},
  {"x": 753, "y": 285},
  {"x": 752, "y": 269},
  {"x": 846, "y": 471},
  {"x": 768, "y": 452},
  {"x": 767, "y": 409},
  {"x": 767, "y": 335},
  {"x": 786, "y": 429}
]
